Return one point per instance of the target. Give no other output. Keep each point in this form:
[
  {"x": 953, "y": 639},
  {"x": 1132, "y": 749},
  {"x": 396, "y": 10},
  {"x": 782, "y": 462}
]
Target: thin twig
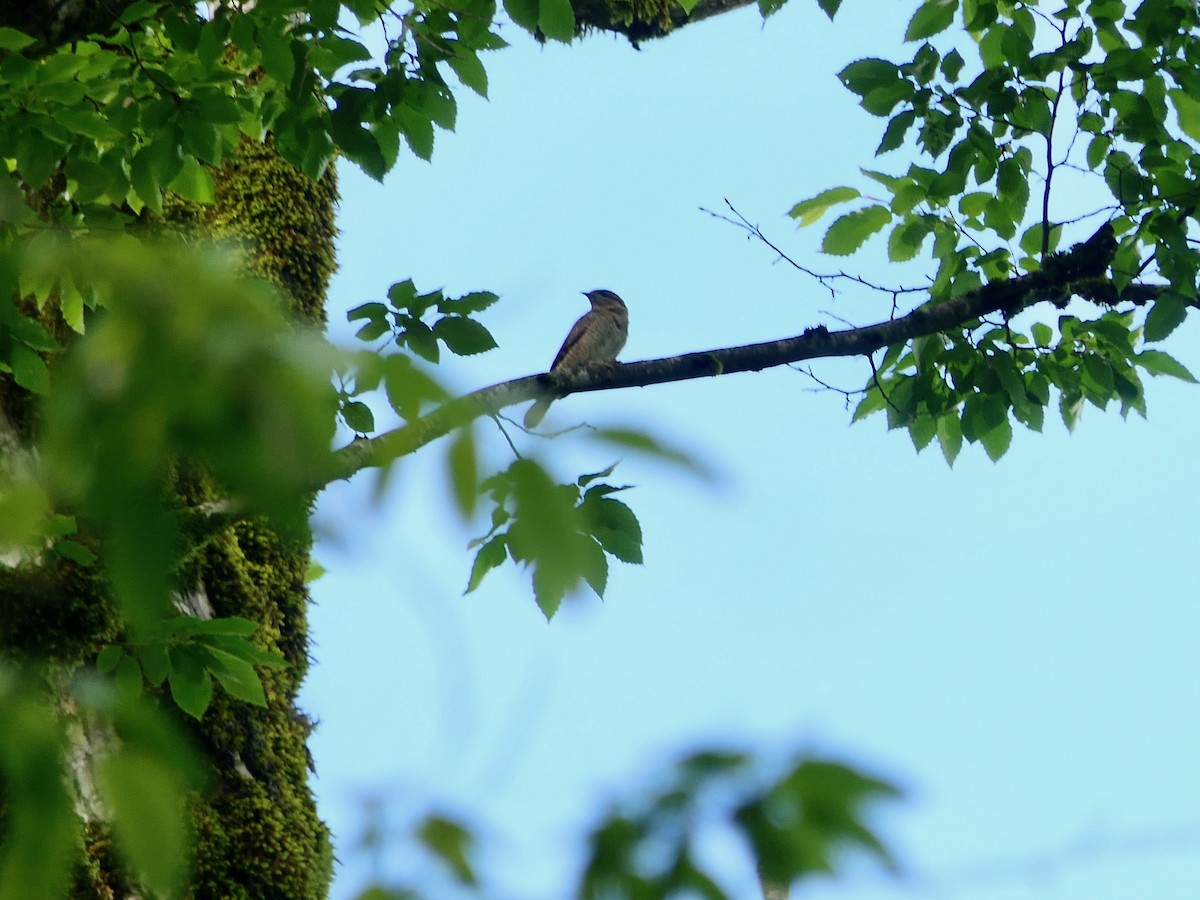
[
  {"x": 882, "y": 392},
  {"x": 824, "y": 279},
  {"x": 496, "y": 417},
  {"x": 846, "y": 394}
]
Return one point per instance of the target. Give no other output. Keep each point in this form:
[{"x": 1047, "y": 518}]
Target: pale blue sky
[{"x": 1013, "y": 644}]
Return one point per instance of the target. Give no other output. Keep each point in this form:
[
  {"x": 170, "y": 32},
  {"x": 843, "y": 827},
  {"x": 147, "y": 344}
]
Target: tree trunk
[{"x": 257, "y": 832}]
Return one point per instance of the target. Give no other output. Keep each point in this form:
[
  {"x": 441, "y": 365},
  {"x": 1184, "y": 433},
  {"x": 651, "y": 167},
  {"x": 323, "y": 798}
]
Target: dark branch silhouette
[{"x": 1080, "y": 271}]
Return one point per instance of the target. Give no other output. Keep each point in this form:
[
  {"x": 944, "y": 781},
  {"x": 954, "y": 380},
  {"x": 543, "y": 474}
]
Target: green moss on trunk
[{"x": 258, "y": 834}]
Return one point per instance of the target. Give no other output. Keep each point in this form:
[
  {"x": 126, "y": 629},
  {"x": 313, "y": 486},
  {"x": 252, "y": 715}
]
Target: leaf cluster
[
  {"x": 122, "y": 117},
  {"x": 188, "y": 362},
  {"x": 409, "y": 390},
  {"x": 402, "y": 318},
  {"x": 564, "y": 533},
  {"x": 975, "y": 383},
  {"x": 793, "y": 821},
  {"x": 189, "y": 654},
  {"x": 1095, "y": 90},
  {"x": 796, "y": 824},
  {"x": 141, "y": 784}
]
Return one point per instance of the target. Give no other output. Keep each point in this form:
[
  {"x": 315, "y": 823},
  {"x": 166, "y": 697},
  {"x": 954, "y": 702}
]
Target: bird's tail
[{"x": 537, "y": 412}]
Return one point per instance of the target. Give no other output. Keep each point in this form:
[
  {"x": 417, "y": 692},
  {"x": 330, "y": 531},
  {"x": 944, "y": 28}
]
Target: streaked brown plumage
[{"x": 597, "y": 337}]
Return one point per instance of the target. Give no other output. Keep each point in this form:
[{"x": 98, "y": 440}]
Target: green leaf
[
  {"x": 1031, "y": 415},
  {"x": 70, "y": 303},
  {"x": 88, "y": 123},
  {"x": 952, "y": 65},
  {"x": 1070, "y": 406},
  {"x": 1012, "y": 188},
  {"x": 194, "y": 182},
  {"x": 41, "y": 828},
  {"x": 463, "y": 336},
  {"x": 201, "y": 138},
  {"x": 417, "y": 128},
  {"x": 236, "y": 675},
  {"x": 904, "y": 243},
  {"x": 1098, "y": 374},
  {"x": 872, "y": 402},
  {"x": 373, "y": 330},
  {"x": 1039, "y": 386},
  {"x": 144, "y": 179},
  {"x": 595, "y": 567},
  {"x": 897, "y": 128},
  {"x": 402, "y": 296},
  {"x": 191, "y": 684},
  {"x": 234, "y": 626},
  {"x": 373, "y": 310},
  {"x": 143, "y": 792},
  {"x": 1187, "y": 108},
  {"x": 1097, "y": 150},
  {"x": 213, "y": 35},
  {"x": 614, "y": 525},
  {"x": 421, "y": 340},
  {"x": 523, "y": 12},
  {"x": 588, "y": 478},
  {"x": 129, "y": 678},
  {"x": 476, "y": 301},
  {"x": 11, "y": 39},
  {"x": 453, "y": 844},
  {"x": 277, "y": 57},
  {"x": 155, "y": 664},
  {"x": 849, "y": 232},
  {"x": 1123, "y": 177},
  {"x": 829, "y": 7},
  {"x": 108, "y": 657},
  {"x": 864, "y": 76},
  {"x": 29, "y": 369},
  {"x": 37, "y": 156},
  {"x": 242, "y": 648},
  {"x": 931, "y": 18},
  {"x": 556, "y": 20},
  {"x": 361, "y": 146},
  {"x": 1031, "y": 240},
  {"x": 997, "y": 439},
  {"x": 464, "y": 472},
  {"x": 333, "y": 52},
  {"x": 1156, "y": 362},
  {"x": 74, "y": 551},
  {"x": 810, "y": 210},
  {"x": 950, "y": 436},
  {"x": 651, "y": 446},
  {"x": 879, "y": 84},
  {"x": 1164, "y": 317},
  {"x": 1010, "y": 379},
  {"x": 470, "y": 71},
  {"x": 921, "y": 429},
  {"x": 491, "y": 555},
  {"x": 407, "y": 387},
  {"x": 358, "y": 417},
  {"x": 59, "y": 525},
  {"x": 545, "y": 533},
  {"x": 28, "y": 331}
]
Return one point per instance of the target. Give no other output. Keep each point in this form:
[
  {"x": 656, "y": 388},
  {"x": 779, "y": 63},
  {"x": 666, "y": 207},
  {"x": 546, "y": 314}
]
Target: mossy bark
[
  {"x": 257, "y": 831},
  {"x": 258, "y": 834}
]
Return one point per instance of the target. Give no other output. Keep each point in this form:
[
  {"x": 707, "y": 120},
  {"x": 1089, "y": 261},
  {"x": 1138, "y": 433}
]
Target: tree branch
[
  {"x": 646, "y": 21},
  {"x": 1080, "y": 270},
  {"x": 55, "y": 22}
]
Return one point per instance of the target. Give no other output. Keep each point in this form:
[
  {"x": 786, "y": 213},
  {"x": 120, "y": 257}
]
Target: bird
[{"x": 598, "y": 336}]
